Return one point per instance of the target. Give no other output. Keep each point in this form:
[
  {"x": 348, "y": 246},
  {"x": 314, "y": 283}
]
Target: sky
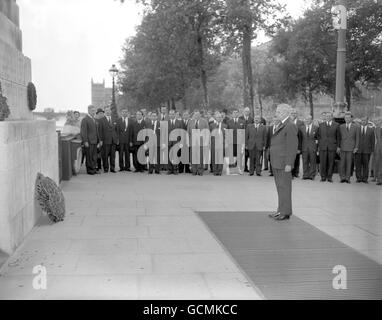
[{"x": 72, "y": 41}]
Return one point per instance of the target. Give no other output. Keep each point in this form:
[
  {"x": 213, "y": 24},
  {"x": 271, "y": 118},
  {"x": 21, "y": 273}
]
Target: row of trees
[{"x": 200, "y": 53}]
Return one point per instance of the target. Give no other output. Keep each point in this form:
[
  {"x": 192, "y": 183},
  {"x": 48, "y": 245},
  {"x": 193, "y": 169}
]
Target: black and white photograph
[{"x": 209, "y": 152}]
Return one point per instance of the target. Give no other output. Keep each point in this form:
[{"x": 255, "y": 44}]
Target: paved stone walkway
[{"x": 134, "y": 236}]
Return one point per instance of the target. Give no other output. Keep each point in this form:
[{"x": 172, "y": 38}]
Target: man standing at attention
[
  {"x": 109, "y": 139},
  {"x": 328, "y": 136},
  {"x": 255, "y": 142},
  {"x": 284, "y": 144},
  {"x": 89, "y": 135},
  {"x": 349, "y": 142},
  {"x": 366, "y": 148}
]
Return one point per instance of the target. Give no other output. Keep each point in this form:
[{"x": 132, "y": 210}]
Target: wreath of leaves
[
  {"x": 50, "y": 198},
  {"x": 4, "y": 108},
  {"x": 32, "y": 96}
]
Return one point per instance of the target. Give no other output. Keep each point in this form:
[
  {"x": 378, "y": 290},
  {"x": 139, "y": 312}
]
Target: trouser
[
  {"x": 137, "y": 165},
  {"x": 327, "y": 159},
  {"x": 108, "y": 156},
  {"x": 345, "y": 165},
  {"x": 246, "y": 158},
  {"x": 296, "y": 167},
  {"x": 172, "y": 168},
  {"x": 154, "y": 162},
  {"x": 124, "y": 156},
  {"x": 378, "y": 166},
  {"x": 91, "y": 158},
  {"x": 255, "y": 160},
  {"x": 266, "y": 159},
  {"x": 185, "y": 167},
  {"x": 309, "y": 163},
  {"x": 283, "y": 182},
  {"x": 198, "y": 168},
  {"x": 217, "y": 159},
  {"x": 362, "y": 161}
]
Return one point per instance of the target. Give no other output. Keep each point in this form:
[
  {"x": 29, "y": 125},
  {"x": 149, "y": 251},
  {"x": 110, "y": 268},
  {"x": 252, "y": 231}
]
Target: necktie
[
  {"x": 197, "y": 125},
  {"x": 308, "y": 131},
  {"x": 348, "y": 127}
]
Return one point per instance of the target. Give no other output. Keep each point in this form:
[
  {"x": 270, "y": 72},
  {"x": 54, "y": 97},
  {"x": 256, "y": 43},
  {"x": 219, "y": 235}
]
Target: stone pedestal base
[{"x": 26, "y": 148}]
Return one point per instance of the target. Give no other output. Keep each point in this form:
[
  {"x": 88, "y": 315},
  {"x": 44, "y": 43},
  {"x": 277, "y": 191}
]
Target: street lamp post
[
  {"x": 113, "y": 72},
  {"x": 340, "y": 23}
]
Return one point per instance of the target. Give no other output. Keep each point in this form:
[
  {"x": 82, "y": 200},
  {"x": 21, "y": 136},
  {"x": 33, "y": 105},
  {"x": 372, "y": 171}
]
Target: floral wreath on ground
[
  {"x": 4, "y": 108},
  {"x": 32, "y": 96}
]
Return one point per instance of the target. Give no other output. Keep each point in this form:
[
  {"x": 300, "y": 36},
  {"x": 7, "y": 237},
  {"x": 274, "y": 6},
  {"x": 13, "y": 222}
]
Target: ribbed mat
[{"x": 293, "y": 260}]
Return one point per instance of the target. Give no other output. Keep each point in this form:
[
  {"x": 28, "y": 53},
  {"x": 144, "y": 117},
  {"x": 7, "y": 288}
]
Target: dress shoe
[
  {"x": 106, "y": 171},
  {"x": 128, "y": 170},
  {"x": 305, "y": 178},
  {"x": 271, "y": 175},
  {"x": 91, "y": 173},
  {"x": 365, "y": 181},
  {"x": 251, "y": 174},
  {"x": 343, "y": 181},
  {"x": 330, "y": 180},
  {"x": 121, "y": 170},
  {"x": 113, "y": 171},
  {"x": 150, "y": 172},
  {"x": 282, "y": 218},
  {"x": 323, "y": 179},
  {"x": 258, "y": 174},
  {"x": 348, "y": 181},
  {"x": 379, "y": 183},
  {"x": 157, "y": 172},
  {"x": 274, "y": 215},
  {"x": 359, "y": 181}
]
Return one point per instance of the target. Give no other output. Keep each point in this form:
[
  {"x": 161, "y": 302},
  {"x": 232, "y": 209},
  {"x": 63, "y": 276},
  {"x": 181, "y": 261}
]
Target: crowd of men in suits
[{"x": 356, "y": 144}]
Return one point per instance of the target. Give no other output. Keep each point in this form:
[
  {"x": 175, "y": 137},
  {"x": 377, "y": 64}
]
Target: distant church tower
[{"x": 101, "y": 96}]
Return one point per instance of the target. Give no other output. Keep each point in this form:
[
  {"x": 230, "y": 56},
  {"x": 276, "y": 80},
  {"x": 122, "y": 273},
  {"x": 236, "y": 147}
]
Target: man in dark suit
[
  {"x": 173, "y": 124},
  {"x": 99, "y": 116},
  {"x": 185, "y": 167},
  {"x": 199, "y": 147},
  {"x": 271, "y": 131},
  {"x": 308, "y": 133},
  {"x": 298, "y": 123},
  {"x": 365, "y": 149},
  {"x": 109, "y": 139},
  {"x": 236, "y": 124},
  {"x": 154, "y": 157},
  {"x": 378, "y": 154},
  {"x": 247, "y": 119},
  {"x": 138, "y": 125},
  {"x": 217, "y": 144},
  {"x": 255, "y": 143},
  {"x": 328, "y": 136},
  {"x": 284, "y": 144},
  {"x": 349, "y": 142},
  {"x": 125, "y": 132},
  {"x": 90, "y": 139}
]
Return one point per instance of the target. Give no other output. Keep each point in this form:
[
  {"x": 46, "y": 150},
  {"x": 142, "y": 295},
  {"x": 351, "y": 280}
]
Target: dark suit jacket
[
  {"x": 349, "y": 140},
  {"x": 125, "y": 135},
  {"x": 236, "y": 126},
  {"x": 150, "y": 125},
  {"x": 171, "y": 127},
  {"x": 308, "y": 142},
  {"x": 367, "y": 142},
  {"x": 378, "y": 141},
  {"x": 213, "y": 127},
  {"x": 136, "y": 129},
  {"x": 284, "y": 144},
  {"x": 89, "y": 131},
  {"x": 108, "y": 132},
  {"x": 247, "y": 122},
  {"x": 255, "y": 138},
  {"x": 328, "y": 137},
  {"x": 203, "y": 124}
]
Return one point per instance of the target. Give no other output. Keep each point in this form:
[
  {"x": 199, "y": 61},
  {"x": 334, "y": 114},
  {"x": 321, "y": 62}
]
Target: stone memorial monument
[{"x": 26, "y": 146}]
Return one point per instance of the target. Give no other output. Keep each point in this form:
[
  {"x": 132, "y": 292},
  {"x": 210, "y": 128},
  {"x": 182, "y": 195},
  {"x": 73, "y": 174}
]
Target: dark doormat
[{"x": 293, "y": 260}]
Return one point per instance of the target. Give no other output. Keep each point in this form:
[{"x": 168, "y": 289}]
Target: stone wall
[
  {"x": 26, "y": 148},
  {"x": 15, "y": 68}
]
